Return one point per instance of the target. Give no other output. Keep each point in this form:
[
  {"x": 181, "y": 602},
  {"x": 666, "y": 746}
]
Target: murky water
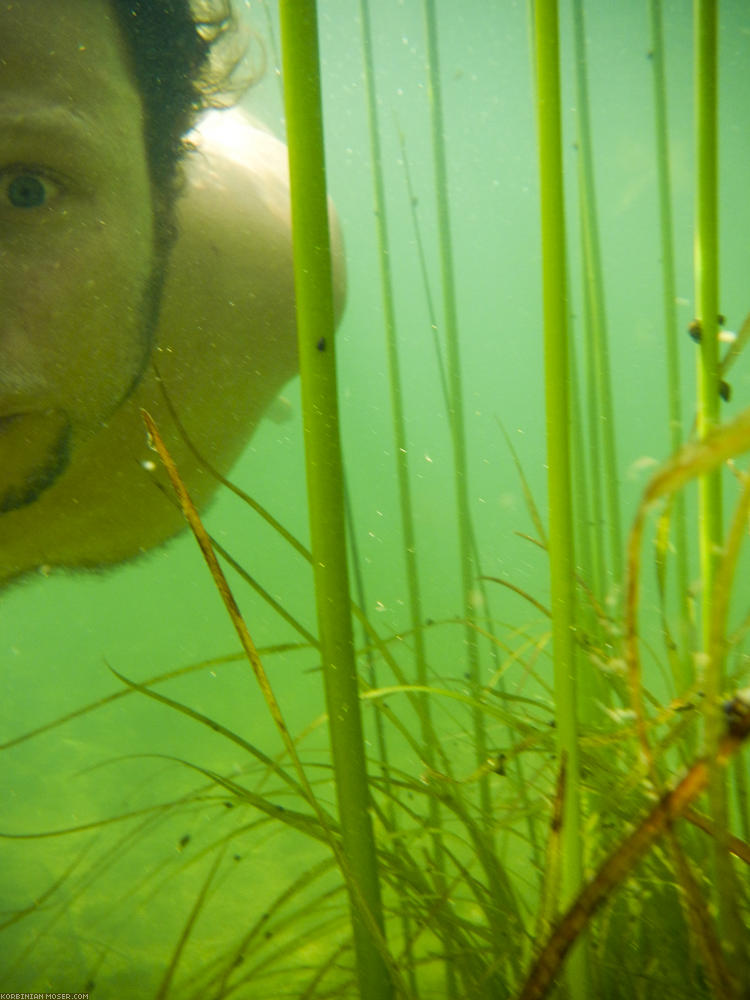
[{"x": 103, "y": 908}]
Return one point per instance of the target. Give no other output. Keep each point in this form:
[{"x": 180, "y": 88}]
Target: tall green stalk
[
  {"x": 455, "y": 391},
  {"x": 315, "y": 328},
  {"x": 683, "y": 674},
  {"x": 602, "y": 429},
  {"x": 706, "y": 264},
  {"x": 562, "y": 567}
]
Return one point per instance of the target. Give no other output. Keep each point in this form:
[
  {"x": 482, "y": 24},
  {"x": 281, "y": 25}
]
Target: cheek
[{"x": 78, "y": 321}]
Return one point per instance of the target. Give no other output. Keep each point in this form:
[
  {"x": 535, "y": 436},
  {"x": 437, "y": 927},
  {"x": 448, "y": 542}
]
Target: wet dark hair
[{"x": 170, "y": 47}]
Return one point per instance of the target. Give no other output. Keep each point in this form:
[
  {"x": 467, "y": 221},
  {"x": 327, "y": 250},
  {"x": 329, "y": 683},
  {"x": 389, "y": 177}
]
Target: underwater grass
[
  {"x": 400, "y": 450},
  {"x": 352, "y": 856},
  {"x": 614, "y": 871},
  {"x": 481, "y": 904},
  {"x": 694, "y": 460},
  {"x": 479, "y": 950}
]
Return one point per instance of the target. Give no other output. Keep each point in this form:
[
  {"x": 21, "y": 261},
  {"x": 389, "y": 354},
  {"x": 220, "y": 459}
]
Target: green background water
[{"x": 116, "y": 917}]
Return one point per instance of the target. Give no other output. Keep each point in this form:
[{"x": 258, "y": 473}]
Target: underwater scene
[{"x": 463, "y": 713}]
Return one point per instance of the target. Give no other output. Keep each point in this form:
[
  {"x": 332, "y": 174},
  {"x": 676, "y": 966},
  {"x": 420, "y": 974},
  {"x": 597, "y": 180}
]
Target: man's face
[{"x": 77, "y": 257}]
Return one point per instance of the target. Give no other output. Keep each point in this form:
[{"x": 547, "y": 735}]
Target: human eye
[{"x": 27, "y": 188}]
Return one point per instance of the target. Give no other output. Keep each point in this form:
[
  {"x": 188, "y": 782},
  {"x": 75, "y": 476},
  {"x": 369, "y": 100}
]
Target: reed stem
[
  {"x": 315, "y": 328},
  {"x": 455, "y": 393},
  {"x": 710, "y": 538},
  {"x": 394, "y": 380},
  {"x": 706, "y": 264},
  {"x": 684, "y": 677},
  {"x": 562, "y": 589},
  {"x": 602, "y": 433}
]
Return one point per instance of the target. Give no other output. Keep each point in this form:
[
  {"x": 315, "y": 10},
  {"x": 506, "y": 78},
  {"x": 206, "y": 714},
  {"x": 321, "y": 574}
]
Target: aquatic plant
[
  {"x": 315, "y": 329},
  {"x": 566, "y": 827}
]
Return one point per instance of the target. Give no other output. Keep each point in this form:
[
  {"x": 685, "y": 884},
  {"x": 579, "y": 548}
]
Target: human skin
[{"x": 76, "y": 488}]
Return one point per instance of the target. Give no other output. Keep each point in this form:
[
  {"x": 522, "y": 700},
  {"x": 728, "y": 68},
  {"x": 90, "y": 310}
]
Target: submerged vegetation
[{"x": 595, "y": 841}]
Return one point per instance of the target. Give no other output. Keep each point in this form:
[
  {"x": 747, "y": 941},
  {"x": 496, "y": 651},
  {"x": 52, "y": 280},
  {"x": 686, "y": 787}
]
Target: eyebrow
[{"x": 59, "y": 122}]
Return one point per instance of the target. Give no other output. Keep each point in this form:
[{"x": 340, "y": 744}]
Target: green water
[{"x": 107, "y": 905}]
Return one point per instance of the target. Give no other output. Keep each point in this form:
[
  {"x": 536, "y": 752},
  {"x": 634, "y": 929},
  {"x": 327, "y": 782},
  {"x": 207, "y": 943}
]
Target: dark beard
[
  {"x": 150, "y": 308},
  {"x": 40, "y": 478}
]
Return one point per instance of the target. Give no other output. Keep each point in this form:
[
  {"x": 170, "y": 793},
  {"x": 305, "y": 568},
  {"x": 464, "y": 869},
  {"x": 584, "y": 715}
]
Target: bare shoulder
[
  {"x": 227, "y": 323},
  {"x": 227, "y": 330},
  {"x": 228, "y": 146},
  {"x": 234, "y": 218}
]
